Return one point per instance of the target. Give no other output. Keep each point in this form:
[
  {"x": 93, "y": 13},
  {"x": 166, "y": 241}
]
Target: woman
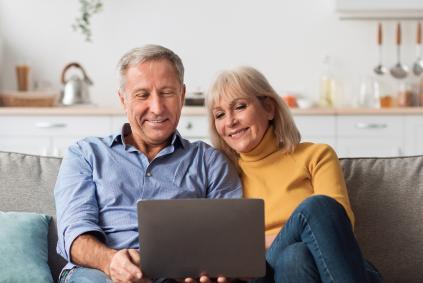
[{"x": 309, "y": 221}]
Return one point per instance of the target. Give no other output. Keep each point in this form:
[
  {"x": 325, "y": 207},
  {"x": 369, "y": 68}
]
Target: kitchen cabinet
[
  {"x": 317, "y": 129},
  {"x": 351, "y": 133},
  {"x": 48, "y": 135},
  {"x": 414, "y": 134},
  {"x": 373, "y": 136}
]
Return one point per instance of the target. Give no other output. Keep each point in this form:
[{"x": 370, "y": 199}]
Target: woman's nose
[{"x": 231, "y": 121}]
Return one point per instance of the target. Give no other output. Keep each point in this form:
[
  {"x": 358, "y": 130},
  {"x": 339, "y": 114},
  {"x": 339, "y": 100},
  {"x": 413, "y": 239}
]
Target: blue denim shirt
[{"x": 101, "y": 179}]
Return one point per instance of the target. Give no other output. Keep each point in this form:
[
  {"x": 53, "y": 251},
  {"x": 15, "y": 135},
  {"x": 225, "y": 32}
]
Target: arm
[
  {"x": 327, "y": 177},
  {"x": 87, "y": 250},
  {"x": 121, "y": 265},
  {"x": 81, "y": 239},
  {"x": 223, "y": 178}
]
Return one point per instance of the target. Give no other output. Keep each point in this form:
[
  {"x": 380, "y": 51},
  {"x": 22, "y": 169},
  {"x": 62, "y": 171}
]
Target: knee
[
  {"x": 294, "y": 262},
  {"x": 320, "y": 204},
  {"x": 293, "y": 255}
]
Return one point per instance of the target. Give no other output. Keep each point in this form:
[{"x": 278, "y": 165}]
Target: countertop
[{"x": 198, "y": 110}]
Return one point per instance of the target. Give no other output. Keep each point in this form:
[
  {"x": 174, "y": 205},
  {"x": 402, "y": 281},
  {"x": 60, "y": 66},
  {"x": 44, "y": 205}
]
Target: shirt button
[{"x": 148, "y": 174}]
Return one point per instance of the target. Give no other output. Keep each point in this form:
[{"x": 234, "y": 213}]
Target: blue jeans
[
  {"x": 91, "y": 275},
  {"x": 317, "y": 244}
]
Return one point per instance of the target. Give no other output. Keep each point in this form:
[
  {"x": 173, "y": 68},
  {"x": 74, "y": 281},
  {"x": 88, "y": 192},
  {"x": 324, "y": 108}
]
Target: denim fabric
[
  {"x": 317, "y": 244},
  {"x": 89, "y": 275},
  {"x": 84, "y": 275}
]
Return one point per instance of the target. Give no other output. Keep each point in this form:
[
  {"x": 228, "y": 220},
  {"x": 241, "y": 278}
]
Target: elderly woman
[{"x": 309, "y": 221}]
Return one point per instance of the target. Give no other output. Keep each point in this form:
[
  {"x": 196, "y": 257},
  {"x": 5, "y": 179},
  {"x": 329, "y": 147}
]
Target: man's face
[{"x": 153, "y": 99}]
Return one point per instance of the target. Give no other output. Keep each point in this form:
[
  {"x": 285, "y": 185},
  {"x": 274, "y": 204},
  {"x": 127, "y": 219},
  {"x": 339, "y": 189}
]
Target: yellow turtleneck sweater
[{"x": 284, "y": 180}]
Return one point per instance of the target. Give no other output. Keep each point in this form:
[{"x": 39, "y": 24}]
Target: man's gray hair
[{"x": 148, "y": 53}]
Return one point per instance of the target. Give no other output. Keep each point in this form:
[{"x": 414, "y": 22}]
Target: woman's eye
[
  {"x": 219, "y": 115},
  {"x": 240, "y": 106}
]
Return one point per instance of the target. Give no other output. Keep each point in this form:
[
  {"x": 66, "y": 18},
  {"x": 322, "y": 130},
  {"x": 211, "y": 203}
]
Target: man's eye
[
  {"x": 168, "y": 93},
  {"x": 141, "y": 95}
]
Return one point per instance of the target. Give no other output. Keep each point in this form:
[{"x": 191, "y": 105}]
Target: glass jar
[{"x": 405, "y": 95}]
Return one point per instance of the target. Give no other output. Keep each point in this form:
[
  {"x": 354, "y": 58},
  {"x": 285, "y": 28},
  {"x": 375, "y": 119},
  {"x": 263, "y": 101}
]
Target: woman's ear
[{"x": 269, "y": 106}]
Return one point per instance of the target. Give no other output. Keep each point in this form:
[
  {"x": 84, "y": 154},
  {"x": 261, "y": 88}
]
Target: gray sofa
[{"x": 386, "y": 196}]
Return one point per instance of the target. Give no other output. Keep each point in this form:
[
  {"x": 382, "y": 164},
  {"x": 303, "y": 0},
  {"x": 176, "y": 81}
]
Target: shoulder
[
  {"x": 90, "y": 146},
  {"x": 314, "y": 151},
  {"x": 204, "y": 149}
]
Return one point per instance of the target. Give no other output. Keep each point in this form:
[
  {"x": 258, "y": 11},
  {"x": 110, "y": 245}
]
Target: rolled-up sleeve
[{"x": 75, "y": 199}]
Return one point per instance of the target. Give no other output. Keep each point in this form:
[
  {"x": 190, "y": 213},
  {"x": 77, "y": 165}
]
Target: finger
[
  {"x": 222, "y": 279},
  {"x": 127, "y": 271},
  {"x": 204, "y": 279},
  {"x": 189, "y": 280},
  {"x": 135, "y": 256}
]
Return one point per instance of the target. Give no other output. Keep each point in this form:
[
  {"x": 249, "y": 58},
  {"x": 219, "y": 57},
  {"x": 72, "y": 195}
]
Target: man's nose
[{"x": 156, "y": 104}]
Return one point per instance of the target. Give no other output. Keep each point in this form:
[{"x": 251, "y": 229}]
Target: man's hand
[{"x": 125, "y": 267}]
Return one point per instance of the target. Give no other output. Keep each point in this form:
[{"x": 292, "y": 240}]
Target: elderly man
[{"x": 101, "y": 179}]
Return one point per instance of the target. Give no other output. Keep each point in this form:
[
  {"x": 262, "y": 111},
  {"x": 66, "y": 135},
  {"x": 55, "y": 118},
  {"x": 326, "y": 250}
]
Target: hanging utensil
[
  {"x": 380, "y": 69},
  {"x": 399, "y": 71},
  {"x": 418, "y": 65}
]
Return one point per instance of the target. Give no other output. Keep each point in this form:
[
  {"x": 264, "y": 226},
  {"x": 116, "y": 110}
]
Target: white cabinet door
[
  {"x": 370, "y": 136},
  {"x": 317, "y": 129},
  {"x": 48, "y": 135},
  {"x": 414, "y": 135},
  {"x": 26, "y": 144}
]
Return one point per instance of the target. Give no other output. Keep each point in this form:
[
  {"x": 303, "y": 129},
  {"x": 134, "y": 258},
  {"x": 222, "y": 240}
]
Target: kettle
[{"x": 75, "y": 89}]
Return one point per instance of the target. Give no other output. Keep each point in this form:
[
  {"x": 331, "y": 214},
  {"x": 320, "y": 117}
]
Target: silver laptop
[{"x": 190, "y": 237}]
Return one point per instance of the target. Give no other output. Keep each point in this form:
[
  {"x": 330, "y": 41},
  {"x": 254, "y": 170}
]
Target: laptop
[{"x": 182, "y": 238}]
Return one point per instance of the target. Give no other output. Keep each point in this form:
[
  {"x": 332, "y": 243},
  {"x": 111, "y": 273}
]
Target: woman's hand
[
  {"x": 205, "y": 279},
  {"x": 269, "y": 240}
]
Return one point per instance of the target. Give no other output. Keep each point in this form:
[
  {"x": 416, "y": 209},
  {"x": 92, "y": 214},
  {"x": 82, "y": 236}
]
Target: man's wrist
[{"x": 107, "y": 262}]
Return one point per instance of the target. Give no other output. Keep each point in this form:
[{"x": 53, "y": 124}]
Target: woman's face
[{"x": 242, "y": 122}]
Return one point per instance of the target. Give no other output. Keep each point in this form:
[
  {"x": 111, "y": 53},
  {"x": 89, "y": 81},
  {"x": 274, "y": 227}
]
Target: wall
[{"x": 284, "y": 39}]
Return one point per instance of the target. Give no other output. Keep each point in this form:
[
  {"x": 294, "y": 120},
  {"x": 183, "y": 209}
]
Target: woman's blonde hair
[{"x": 247, "y": 82}]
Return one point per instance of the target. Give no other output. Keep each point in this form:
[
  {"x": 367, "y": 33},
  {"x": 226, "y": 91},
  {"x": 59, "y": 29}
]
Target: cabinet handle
[
  {"x": 189, "y": 126},
  {"x": 371, "y": 125},
  {"x": 47, "y": 125}
]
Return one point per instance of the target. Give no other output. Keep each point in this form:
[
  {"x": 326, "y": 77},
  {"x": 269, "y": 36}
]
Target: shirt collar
[{"x": 117, "y": 138}]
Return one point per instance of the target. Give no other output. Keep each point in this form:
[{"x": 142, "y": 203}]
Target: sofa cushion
[
  {"x": 387, "y": 198},
  {"x": 27, "y": 183},
  {"x": 23, "y": 247}
]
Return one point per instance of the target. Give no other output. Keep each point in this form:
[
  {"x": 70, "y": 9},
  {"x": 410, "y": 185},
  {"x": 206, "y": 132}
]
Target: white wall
[{"x": 284, "y": 39}]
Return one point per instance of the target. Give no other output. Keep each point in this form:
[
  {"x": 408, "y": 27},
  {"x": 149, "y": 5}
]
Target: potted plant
[{"x": 87, "y": 9}]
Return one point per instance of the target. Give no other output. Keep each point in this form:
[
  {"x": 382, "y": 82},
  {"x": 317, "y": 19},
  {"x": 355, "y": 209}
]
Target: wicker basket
[{"x": 28, "y": 98}]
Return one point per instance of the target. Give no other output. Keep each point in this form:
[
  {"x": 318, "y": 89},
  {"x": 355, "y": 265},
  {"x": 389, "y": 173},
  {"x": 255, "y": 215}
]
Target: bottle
[{"x": 327, "y": 85}]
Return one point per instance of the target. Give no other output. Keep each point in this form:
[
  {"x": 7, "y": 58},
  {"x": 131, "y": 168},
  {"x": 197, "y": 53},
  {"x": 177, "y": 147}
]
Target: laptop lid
[{"x": 189, "y": 237}]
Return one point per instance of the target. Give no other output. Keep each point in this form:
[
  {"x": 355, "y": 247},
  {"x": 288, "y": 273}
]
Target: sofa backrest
[
  {"x": 26, "y": 184},
  {"x": 387, "y": 198}
]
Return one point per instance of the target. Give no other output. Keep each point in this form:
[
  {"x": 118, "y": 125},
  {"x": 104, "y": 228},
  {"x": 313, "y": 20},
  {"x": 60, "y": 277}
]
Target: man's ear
[
  {"x": 269, "y": 106},
  {"x": 183, "y": 93},
  {"x": 122, "y": 98}
]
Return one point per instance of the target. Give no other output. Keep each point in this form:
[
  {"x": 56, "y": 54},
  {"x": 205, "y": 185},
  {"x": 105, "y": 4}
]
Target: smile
[{"x": 237, "y": 133}]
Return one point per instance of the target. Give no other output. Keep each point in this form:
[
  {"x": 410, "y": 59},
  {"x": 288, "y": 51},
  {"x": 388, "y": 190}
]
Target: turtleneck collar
[{"x": 267, "y": 146}]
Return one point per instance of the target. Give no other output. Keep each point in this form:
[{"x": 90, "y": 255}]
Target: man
[{"x": 101, "y": 179}]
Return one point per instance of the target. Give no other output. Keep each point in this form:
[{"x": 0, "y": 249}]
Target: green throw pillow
[{"x": 24, "y": 247}]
